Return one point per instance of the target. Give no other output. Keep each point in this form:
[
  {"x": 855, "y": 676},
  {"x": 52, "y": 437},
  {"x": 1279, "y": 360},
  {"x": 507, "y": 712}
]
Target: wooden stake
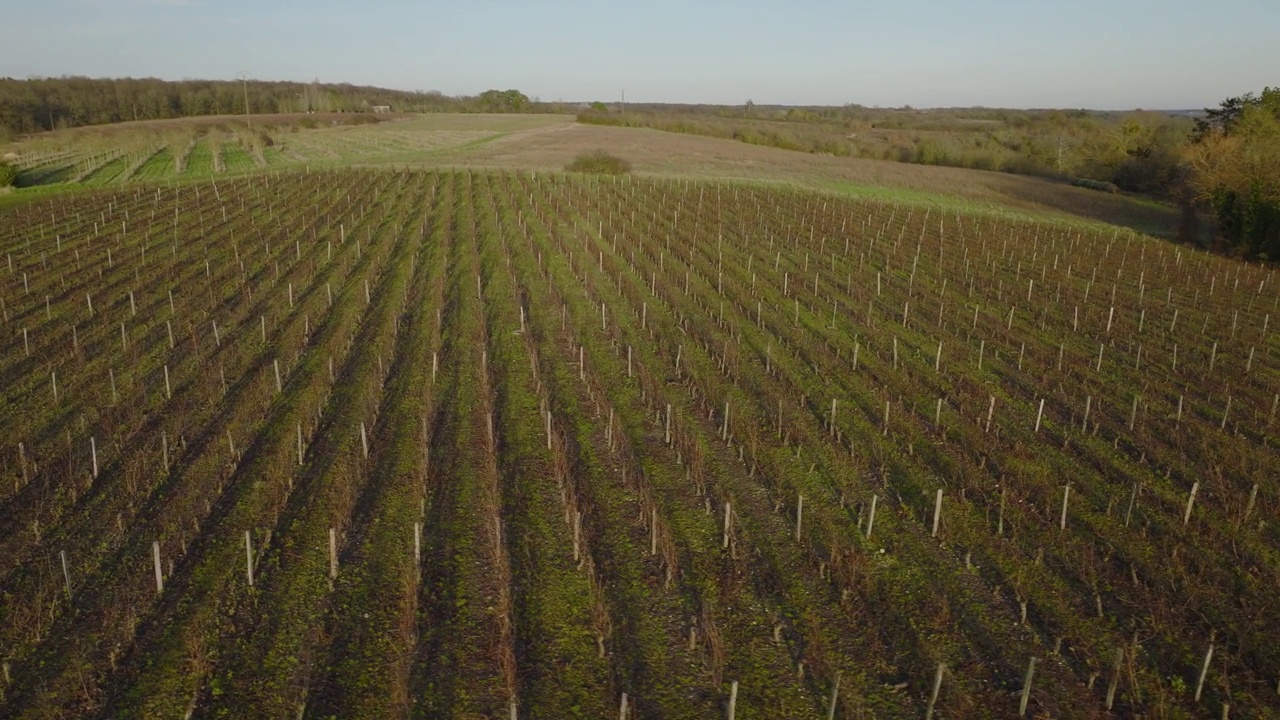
[
  {"x": 66, "y": 574},
  {"x": 1191, "y": 499},
  {"x": 155, "y": 554},
  {"x": 1000, "y": 517},
  {"x": 577, "y": 535},
  {"x": 733, "y": 699},
  {"x": 1066, "y": 493},
  {"x": 248, "y": 556},
  {"x": 1026, "y": 688},
  {"x": 1039, "y": 414},
  {"x": 937, "y": 686},
  {"x": 871, "y": 516},
  {"x": 799, "y": 514},
  {"x": 417, "y": 546},
  {"x": 937, "y": 513},
  {"x": 1253, "y": 497},
  {"x": 1115, "y": 677},
  {"x": 835, "y": 695},
  {"x": 726, "y": 524},
  {"x": 93, "y": 450},
  {"x": 1204, "y": 669}
]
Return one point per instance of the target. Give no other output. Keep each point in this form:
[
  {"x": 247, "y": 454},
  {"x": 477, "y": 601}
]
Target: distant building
[{"x": 379, "y": 109}]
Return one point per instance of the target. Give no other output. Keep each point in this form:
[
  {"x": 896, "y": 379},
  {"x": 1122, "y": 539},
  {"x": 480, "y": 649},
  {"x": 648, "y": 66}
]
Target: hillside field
[{"x": 438, "y": 442}]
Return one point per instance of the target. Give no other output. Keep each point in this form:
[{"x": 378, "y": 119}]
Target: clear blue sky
[{"x": 927, "y": 53}]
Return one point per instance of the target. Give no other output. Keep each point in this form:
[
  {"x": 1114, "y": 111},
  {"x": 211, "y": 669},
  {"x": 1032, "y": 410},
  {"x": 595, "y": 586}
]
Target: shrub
[
  {"x": 8, "y": 174},
  {"x": 1095, "y": 185},
  {"x": 600, "y": 163}
]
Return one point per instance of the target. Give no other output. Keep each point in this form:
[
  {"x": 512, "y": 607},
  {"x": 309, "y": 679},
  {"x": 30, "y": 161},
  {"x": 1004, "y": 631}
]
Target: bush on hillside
[
  {"x": 1096, "y": 185},
  {"x": 8, "y": 174},
  {"x": 599, "y": 162}
]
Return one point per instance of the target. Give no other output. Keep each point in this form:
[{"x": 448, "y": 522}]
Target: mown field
[{"x": 441, "y": 444}]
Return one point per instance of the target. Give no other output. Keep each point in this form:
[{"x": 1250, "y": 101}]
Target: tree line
[{"x": 41, "y": 104}]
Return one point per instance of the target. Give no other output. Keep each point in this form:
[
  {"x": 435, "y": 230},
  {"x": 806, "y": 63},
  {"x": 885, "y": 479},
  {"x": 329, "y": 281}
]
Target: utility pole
[{"x": 244, "y": 83}]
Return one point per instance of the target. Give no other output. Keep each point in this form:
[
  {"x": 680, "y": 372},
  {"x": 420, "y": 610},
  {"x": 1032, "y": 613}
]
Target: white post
[
  {"x": 155, "y": 554},
  {"x": 168, "y": 391},
  {"x": 733, "y": 699},
  {"x": 1026, "y": 688},
  {"x": 835, "y": 695},
  {"x": 417, "y": 545},
  {"x": 937, "y": 513},
  {"x": 724, "y": 431},
  {"x": 299, "y": 444},
  {"x": 549, "y": 429},
  {"x": 1204, "y": 669},
  {"x": 726, "y": 524},
  {"x": 653, "y": 531},
  {"x": 93, "y": 450},
  {"x": 66, "y": 574},
  {"x": 799, "y": 515},
  {"x": 1191, "y": 499},
  {"x": 364, "y": 440},
  {"x": 1039, "y": 414},
  {"x": 937, "y": 686},
  {"x": 871, "y": 517},
  {"x": 1066, "y": 493},
  {"x": 276, "y": 364},
  {"x": 248, "y": 556}
]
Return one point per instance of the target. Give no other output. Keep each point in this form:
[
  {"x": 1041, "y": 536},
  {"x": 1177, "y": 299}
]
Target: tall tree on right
[{"x": 1235, "y": 159}]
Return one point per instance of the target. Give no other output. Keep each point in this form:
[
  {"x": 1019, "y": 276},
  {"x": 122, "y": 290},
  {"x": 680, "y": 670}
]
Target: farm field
[
  {"x": 197, "y": 149},
  {"x": 441, "y": 443}
]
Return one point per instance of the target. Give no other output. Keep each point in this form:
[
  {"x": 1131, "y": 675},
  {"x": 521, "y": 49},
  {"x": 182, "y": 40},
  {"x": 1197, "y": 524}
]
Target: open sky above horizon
[{"x": 1104, "y": 54}]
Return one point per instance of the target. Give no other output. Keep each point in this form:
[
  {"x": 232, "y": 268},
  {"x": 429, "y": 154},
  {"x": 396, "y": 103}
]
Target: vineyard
[
  {"x": 450, "y": 444},
  {"x": 201, "y": 149}
]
